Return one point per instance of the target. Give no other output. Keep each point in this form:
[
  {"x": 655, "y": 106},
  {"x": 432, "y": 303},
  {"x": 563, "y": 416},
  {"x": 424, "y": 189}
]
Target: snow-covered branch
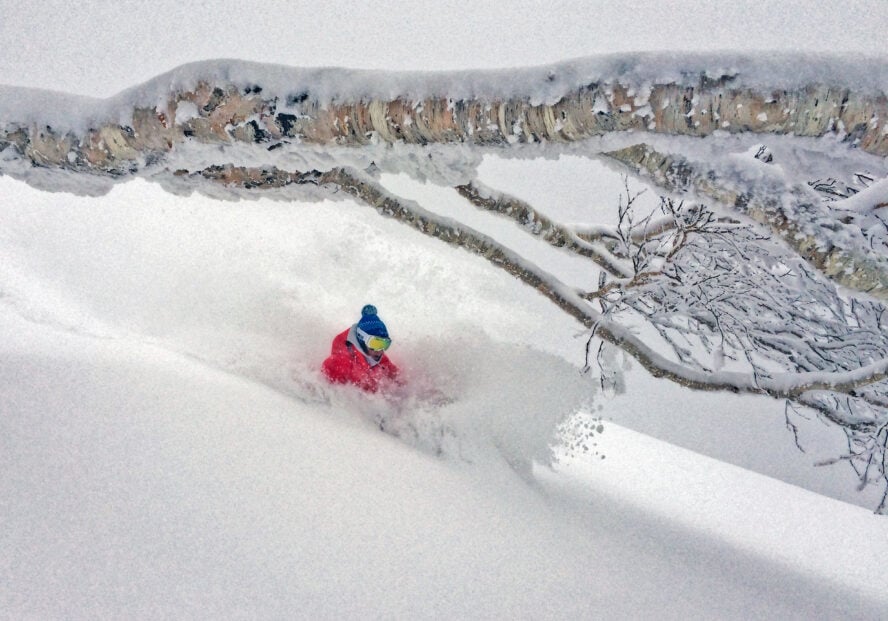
[
  {"x": 537, "y": 224},
  {"x": 705, "y": 284},
  {"x": 841, "y": 247},
  {"x": 738, "y": 311},
  {"x": 870, "y": 199}
]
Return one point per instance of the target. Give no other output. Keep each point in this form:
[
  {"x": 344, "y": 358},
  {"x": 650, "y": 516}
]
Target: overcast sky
[{"x": 103, "y": 46}]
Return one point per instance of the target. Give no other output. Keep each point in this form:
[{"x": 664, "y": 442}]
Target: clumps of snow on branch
[{"x": 727, "y": 295}]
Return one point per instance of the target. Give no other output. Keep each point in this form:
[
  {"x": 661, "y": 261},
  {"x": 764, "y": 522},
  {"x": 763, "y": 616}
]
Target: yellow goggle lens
[{"x": 377, "y": 343}]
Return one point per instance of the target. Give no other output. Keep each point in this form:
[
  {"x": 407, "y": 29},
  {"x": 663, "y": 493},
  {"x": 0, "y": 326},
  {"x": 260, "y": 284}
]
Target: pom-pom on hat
[{"x": 371, "y": 323}]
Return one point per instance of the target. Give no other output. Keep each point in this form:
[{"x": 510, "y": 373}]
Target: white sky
[{"x": 103, "y": 46}]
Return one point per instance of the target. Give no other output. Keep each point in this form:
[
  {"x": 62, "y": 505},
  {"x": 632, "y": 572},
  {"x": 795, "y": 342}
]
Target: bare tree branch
[
  {"x": 713, "y": 292},
  {"x": 538, "y": 224}
]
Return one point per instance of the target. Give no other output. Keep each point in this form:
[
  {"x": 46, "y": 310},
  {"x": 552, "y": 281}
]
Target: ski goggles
[{"x": 375, "y": 343}]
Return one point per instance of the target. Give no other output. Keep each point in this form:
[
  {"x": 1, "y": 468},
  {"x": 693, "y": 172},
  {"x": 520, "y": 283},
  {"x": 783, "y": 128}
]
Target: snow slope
[{"x": 168, "y": 450}]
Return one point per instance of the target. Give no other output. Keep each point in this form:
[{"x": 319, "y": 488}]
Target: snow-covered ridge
[{"x": 183, "y": 476}]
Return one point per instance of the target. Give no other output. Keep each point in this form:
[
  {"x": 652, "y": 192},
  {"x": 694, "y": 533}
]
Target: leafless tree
[
  {"x": 719, "y": 294},
  {"x": 708, "y": 303}
]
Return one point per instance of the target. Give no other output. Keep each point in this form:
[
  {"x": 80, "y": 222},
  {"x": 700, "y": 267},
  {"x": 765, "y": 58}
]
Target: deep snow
[
  {"x": 168, "y": 449},
  {"x": 158, "y": 458}
]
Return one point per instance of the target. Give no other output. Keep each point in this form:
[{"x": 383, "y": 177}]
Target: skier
[{"x": 358, "y": 354}]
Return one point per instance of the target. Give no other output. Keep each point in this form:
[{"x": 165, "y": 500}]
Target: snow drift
[{"x": 167, "y": 449}]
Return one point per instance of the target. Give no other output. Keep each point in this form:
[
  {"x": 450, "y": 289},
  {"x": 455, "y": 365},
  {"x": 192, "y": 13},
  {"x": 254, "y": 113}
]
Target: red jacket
[{"x": 347, "y": 365}]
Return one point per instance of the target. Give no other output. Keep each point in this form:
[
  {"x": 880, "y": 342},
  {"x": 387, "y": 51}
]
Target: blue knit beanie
[{"x": 371, "y": 323}]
